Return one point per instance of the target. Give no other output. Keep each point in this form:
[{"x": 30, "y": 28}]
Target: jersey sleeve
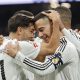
[
  {"x": 73, "y": 37},
  {"x": 30, "y": 49},
  {"x": 65, "y": 54}
]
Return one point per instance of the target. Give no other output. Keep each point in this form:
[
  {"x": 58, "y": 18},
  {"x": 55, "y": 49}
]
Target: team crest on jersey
[{"x": 56, "y": 59}]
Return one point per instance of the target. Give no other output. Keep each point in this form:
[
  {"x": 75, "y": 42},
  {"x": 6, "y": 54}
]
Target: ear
[{"x": 19, "y": 30}]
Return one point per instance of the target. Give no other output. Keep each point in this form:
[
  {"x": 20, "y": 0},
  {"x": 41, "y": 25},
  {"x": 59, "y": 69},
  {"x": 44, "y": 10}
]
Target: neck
[
  {"x": 61, "y": 34},
  {"x": 13, "y": 36},
  {"x": 67, "y": 26}
]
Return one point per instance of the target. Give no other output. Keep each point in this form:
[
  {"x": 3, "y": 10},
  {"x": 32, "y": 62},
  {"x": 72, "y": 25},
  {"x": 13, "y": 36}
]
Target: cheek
[
  {"x": 47, "y": 31},
  {"x": 28, "y": 34},
  {"x": 25, "y": 33}
]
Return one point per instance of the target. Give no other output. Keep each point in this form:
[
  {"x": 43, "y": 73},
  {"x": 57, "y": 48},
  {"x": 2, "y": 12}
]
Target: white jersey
[
  {"x": 73, "y": 37},
  {"x": 8, "y": 69},
  {"x": 64, "y": 62}
]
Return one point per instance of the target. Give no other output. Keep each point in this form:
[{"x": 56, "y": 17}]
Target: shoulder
[
  {"x": 67, "y": 49},
  {"x": 66, "y": 45}
]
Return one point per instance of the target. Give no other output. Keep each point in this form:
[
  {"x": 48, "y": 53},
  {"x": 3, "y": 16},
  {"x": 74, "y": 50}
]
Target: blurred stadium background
[{"x": 9, "y": 7}]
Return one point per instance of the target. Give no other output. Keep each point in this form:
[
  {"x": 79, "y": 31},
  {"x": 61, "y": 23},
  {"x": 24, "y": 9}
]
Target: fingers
[
  {"x": 12, "y": 49},
  {"x": 17, "y": 45},
  {"x": 1, "y": 36},
  {"x": 76, "y": 30},
  {"x": 79, "y": 32},
  {"x": 1, "y": 39},
  {"x": 7, "y": 47},
  {"x": 46, "y": 13},
  {"x": 53, "y": 16},
  {"x": 50, "y": 13}
]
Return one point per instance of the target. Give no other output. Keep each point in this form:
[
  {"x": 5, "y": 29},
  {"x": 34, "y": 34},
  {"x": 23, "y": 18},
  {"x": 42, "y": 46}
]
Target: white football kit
[
  {"x": 8, "y": 69},
  {"x": 64, "y": 62},
  {"x": 73, "y": 36}
]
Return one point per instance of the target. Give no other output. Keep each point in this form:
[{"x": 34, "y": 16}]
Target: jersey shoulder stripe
[
  {"x": 63, "y": 43},
  {"x": 37, "y": 65},
  {"x": 75, "y": 34}
]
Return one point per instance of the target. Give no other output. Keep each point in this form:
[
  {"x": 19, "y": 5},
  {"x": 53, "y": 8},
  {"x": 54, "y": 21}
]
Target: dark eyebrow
[{"x": 41, "y": 28}]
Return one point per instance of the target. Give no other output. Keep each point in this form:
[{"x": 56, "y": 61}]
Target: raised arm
[
  {"x": 55, "y": 37},
  {"x": 45, "y": 48}
]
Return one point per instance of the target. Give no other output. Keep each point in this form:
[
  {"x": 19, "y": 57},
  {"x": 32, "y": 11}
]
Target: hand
[
  {"x": 78, "y": 31},
  {"x": 12, "y": 49},
  {"x": 1, "y": 39},
  {"x": 52, "y": 15},
  {"x": 55, "y": 36},
  {"x": 55, "y": 17}
]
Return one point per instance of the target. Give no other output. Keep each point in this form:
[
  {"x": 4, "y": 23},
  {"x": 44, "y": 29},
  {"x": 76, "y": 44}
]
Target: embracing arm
[{"x": 64, "y": 55}]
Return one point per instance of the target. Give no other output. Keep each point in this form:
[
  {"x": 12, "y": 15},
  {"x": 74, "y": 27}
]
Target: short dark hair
[
  {"x": 27, "y": 13},
  {"x": 19, "y": 19},
  {"x": 65, "y": 14},
  {"x": 40, "y": 15}
]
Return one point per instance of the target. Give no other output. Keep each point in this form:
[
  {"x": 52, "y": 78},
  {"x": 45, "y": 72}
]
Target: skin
[
  {"x": 26, "y": 33},
  {"x": 43, "y": 28},
  {"x": 1, "y": 39},
  {"x": 45, "y": 34},
  {"x": 46, "y": 49}
]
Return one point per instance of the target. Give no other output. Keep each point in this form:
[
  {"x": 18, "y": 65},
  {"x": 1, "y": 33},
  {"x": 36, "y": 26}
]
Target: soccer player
[
  {"x": 64, "y": 61},
  {"x": 65, "y": 15},
  {"x": 72, "y": 35},
  {"x": 21, "y": 28}
]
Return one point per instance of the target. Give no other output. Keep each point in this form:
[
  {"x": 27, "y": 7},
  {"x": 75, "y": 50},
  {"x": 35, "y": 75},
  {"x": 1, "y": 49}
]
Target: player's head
[
  {"x": 20, "y": 23},
  {"x": 27, "y": 13},
  {"x": 66, "y": 16},
  {"x": 43, "y": 26}
]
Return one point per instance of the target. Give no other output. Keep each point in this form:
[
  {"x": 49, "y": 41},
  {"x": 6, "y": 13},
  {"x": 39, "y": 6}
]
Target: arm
[
  {"x": 54, "y": 41},
  {"x": 50, "y": 47},
  {"x": 44, "y": 48},
  {"x": 51, "y": 63},
  {"x": 73, "y": 37},
  {"x": 34, "y": 66},
  {"x": 64, "y": 55}
]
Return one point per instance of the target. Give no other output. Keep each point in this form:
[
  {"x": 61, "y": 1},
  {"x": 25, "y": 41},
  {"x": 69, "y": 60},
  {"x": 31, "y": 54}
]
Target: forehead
[
  {"x": 31, "y": 26},
  {"x": 42, "y": 22}
]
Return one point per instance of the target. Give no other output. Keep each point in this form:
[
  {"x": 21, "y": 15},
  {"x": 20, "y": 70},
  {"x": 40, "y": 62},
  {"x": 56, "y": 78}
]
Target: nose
[{"x": 40, "y": 34}]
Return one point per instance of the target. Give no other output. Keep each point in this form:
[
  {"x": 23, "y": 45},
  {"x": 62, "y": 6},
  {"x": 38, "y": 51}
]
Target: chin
[
  {"x": 46, "y": 41},
  {"x": 32, "y": 39}
]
